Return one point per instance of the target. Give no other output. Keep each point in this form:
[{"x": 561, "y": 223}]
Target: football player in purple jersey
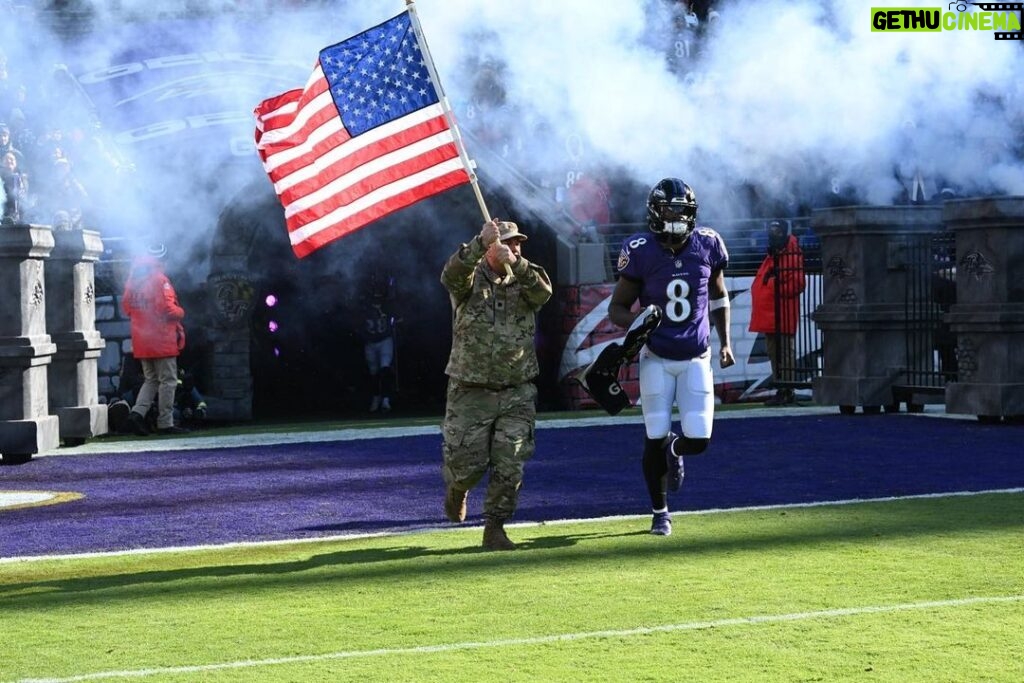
[{"x": 677, "y": 267}]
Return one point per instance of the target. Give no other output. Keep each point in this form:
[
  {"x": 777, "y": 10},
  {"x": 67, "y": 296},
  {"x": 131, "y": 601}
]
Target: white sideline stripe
[
  {"x": 380, "y": 432},
  {"x": 374, "y": 432},
  {"x": 539, "y": 640},
  {"x": 465, "y": 528}
]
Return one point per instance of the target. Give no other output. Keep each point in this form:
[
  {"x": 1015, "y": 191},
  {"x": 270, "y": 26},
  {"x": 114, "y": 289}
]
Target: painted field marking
[
  {"x": 754, "y": 620},
  {"x": 11, "y": 500},
  {"x": 476, "y": 528}
]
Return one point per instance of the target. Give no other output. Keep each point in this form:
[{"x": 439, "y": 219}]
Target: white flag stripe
[
  {"x": 285, "y": 109},
  {"x": 315, "y": 106},
  {"x": 348, "y": 146},
  {"x": 368, "y": 169},
  {"x": 303, "y": 233},
  {"x": 328, "y": 129},
  {"x": 308, "y": 110}
]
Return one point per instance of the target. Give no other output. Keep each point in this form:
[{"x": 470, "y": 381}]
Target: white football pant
[{"x": 687, "y": 383}]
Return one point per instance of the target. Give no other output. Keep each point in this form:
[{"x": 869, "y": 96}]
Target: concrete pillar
[
  {"x": 231, "y": 296},
  {"x": 71, "y": 322},
  {"x": 863, "y": 307},
  {"x": 988, "y": 316},
  {"x": 26, "y": 427}
]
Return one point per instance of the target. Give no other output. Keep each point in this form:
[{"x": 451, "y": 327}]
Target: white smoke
[
  {"x": 799, "y": 89},
  {"x": 782, "y": 94}
]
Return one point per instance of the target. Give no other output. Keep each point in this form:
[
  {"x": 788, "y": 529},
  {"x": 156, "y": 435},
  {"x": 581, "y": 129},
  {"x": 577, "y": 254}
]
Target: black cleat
[
  {"x": 173, "y": 429},
  {"x": 138, "y": 425}
]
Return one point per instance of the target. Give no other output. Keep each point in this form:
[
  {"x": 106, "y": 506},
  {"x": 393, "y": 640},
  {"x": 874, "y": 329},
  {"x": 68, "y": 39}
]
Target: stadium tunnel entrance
[{"x": 284, "y": 337}]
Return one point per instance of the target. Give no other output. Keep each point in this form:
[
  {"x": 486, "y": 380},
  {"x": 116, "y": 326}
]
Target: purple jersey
[{"x": 678, "y": 283}]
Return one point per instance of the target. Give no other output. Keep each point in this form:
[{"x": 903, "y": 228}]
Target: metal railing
[{"x": 929, "y": 264}]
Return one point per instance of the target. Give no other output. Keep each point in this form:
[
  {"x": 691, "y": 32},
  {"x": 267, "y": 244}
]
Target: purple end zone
[{"x": 177, "y": 498}]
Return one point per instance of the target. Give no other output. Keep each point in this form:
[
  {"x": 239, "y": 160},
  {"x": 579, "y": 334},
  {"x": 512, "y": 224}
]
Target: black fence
[{"x": 929, "y": 264}]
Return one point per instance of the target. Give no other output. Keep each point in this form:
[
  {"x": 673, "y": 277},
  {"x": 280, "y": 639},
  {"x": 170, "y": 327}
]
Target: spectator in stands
[
  {"x": 65, "y": 194},
  {"x": 49, "y": 147},
  {"x": 775, "y": 306},
  {"x": 158, "y": 336},
  {"x": 6, "y": 94},
  {"x": 22, "y": 136},
  {"x": 7, "y": 145},
  {"x": 15, "y": 184}
]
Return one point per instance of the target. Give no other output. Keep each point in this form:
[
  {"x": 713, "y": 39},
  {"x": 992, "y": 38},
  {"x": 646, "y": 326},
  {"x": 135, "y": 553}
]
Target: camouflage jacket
[{"x": 494, "y": 319}]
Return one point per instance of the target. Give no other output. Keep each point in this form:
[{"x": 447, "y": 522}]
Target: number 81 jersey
[{"x": 678, "y": 283}]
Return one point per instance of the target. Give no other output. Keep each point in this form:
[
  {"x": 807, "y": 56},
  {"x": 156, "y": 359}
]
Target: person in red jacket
[
  {"x": 775, "y": 294},
  {"x": 158, "y": 336}
]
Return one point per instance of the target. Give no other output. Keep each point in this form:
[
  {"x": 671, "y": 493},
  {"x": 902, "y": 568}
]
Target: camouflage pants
[{"x": 487, "y": 429}]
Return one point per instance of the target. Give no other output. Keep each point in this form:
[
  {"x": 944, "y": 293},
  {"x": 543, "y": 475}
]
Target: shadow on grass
[
  {"x": 539, "y": 548},
  {"x": 62, "y": 589}
]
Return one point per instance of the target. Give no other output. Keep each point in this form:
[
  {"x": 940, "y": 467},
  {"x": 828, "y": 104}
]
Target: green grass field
[{"x": 925, "y": 589}]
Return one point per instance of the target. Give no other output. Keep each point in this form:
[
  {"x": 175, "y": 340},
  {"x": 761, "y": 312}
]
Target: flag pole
[{"x": 468, "y": 163}]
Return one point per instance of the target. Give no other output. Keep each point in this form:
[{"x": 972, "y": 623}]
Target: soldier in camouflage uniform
[{"x": 491, "y": 409}]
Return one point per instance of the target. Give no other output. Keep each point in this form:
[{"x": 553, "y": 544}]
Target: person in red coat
[
  {"x": 775, "y": 295},
  {"x": 158, "y": 336}
]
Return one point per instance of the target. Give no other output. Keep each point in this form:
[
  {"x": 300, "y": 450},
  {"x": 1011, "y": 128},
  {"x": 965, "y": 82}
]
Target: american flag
[{"x": 365, "y": 137}]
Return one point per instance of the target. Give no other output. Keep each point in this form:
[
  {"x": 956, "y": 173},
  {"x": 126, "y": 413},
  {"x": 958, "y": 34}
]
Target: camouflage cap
[{"x": 507, "y": 230}]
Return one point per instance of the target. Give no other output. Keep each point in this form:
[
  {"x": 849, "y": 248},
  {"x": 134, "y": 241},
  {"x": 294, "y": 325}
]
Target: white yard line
[{"x": 753, "y": 620}]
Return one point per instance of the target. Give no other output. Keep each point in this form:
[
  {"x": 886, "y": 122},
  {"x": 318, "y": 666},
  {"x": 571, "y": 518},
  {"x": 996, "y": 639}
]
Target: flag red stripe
[
  {"x": 352, "y": 161},
  {"x": 316, "y": 86},
  {"x": 377, "y": 211},
  {"x": 373, "y": 182},
  {"x": 323, "y": 116}
]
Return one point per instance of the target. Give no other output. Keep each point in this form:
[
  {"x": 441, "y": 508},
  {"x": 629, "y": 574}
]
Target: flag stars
[{"x": 378, "y": 76}]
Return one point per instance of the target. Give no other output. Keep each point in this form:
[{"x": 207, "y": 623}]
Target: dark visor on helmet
[{"x": 674, "y": 213}]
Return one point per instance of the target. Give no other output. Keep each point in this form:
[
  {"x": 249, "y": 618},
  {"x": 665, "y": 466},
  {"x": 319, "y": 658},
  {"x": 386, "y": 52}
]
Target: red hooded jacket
[
  {"x": 789, "y": 279},
  {"x": 152, "y": 305}
]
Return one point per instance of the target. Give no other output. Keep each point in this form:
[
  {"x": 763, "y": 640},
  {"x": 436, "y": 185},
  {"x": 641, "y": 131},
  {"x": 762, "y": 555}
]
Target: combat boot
[
  {"x": 495, "y": 537},
  {"x": 455, "y": 505}
]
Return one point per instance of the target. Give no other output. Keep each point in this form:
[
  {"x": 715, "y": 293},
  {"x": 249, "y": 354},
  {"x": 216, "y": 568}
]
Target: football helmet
[{"x": 672, "y": 210}]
